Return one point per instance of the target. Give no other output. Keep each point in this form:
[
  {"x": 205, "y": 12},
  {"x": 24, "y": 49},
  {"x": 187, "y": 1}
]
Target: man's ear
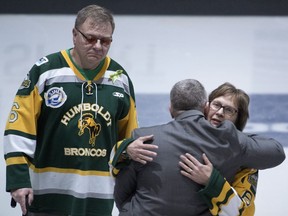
[
  {"x": 171, "y": 110},
  {"x": 74, "y": 33}
]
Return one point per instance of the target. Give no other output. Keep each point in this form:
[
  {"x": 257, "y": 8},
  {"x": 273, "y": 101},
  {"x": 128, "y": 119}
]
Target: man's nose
[{"x": 98, "y": 44}]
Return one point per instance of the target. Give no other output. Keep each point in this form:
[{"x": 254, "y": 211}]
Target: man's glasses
[
  {"x": 227, "y": 110},
  {"x": 92, "y": 40}
]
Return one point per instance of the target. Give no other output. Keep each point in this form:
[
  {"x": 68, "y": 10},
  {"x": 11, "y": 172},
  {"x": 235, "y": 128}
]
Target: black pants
[{"x": 43, "y": 214}]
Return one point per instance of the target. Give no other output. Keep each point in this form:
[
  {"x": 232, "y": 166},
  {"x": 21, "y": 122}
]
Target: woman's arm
[{"x": 222, "y": 198}]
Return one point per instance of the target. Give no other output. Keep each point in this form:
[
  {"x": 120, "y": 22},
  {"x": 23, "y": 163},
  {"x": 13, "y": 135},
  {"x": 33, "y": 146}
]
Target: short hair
[
  {"x": 97, "y": 13},
  {"x": 241, "y": 99},
  {"x": 188, "y": 94}
]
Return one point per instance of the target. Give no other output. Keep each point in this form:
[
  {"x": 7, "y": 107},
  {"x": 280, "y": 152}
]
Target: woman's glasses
[{"x": 227, "y": 110}]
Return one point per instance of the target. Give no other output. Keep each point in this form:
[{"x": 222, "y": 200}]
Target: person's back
[{"x": 161, "y": 189}]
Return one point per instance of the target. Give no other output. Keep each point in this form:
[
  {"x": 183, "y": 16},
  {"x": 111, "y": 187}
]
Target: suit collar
[{"x": 189, "y": 113}]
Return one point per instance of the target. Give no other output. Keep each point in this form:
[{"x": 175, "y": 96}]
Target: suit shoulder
[{"x": 145, "y": 131}]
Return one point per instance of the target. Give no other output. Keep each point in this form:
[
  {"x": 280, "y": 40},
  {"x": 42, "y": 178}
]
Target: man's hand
[
  {"x": 20, "y": 195},
  {"x": 138, "y": 151},
  {"x": 194, "y": 170}
]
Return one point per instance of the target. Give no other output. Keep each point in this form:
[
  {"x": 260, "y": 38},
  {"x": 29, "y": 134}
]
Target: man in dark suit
[{"x": 158, "y": 188}]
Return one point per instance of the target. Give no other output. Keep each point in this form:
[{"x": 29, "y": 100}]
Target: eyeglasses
[
  {"x": 92, "y": 40},
  {"x": 227, "y": 110}
]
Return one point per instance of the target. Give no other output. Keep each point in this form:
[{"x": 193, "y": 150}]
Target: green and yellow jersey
[
  {"x": 236, "y": 199},
  {"x": 60, "y": 132}
]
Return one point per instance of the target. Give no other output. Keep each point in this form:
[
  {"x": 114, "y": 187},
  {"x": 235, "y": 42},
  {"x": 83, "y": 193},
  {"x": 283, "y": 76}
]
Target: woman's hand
[{"x": 194, "y": 170}]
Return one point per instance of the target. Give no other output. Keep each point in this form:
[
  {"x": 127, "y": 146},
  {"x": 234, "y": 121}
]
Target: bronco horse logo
[{"x": 87, "y": 121}]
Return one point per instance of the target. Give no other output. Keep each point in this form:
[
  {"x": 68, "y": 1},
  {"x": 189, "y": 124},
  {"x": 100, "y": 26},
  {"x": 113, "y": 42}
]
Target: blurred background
[{"x": 159, "y": 43}]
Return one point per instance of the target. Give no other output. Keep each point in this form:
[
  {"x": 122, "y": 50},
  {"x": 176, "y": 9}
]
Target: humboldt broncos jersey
[
  {"x": 237, "y": 199},
  {"x": 60, "y": 133}
]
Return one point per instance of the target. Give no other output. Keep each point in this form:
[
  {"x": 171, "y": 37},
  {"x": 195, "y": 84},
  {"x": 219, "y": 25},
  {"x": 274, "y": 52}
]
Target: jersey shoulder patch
[{"x": 41, "y": 61}]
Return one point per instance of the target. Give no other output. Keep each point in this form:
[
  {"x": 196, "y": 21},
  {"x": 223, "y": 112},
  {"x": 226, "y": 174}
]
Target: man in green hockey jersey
[{"x": 69, "y": 112}]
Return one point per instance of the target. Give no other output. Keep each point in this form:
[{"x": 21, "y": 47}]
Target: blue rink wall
[{"x": 268, "y": 113}]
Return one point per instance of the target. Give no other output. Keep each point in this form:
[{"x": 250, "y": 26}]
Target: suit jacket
[{"x": 159, "y": 189}]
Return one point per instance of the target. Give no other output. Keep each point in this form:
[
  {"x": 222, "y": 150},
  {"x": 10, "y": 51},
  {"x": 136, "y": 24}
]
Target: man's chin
[{"x": 93, "y": 58}]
